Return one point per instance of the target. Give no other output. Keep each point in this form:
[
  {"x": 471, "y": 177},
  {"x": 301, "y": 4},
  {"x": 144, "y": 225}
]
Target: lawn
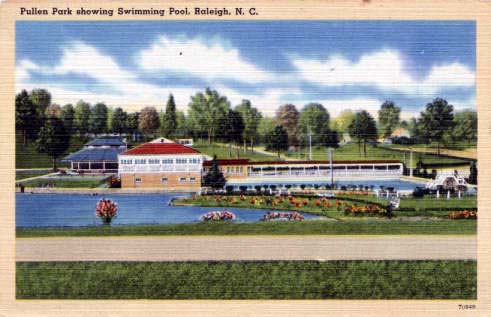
[
  {"x": 350, "y": 152},
  {"x": 360, "y": 226},
  {"x": 28, "y": 157},
  {"x": 224, "y": 152},
  {"x": 66, "y": 182},
  {"x": 421, "y": 204},
  {"x": 19, "y": 175},
  {"x": 248, "y": 280}
]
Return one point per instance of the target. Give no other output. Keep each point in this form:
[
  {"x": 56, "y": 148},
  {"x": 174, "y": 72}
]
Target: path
[
  {"x": 467, "y": 154},
  {"x": 218, "y": 248},
  {"x": 258, "y": 150},
  {"x": 36, "y": 177}
]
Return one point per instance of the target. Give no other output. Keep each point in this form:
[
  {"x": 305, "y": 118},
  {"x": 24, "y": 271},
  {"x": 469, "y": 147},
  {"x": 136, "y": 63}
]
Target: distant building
[
  {"x": 161, "y": 165},
  {"x": 97, "y": 156},
  {"x": 400, "y": 132},
  {"x": 185, "y": 142}
]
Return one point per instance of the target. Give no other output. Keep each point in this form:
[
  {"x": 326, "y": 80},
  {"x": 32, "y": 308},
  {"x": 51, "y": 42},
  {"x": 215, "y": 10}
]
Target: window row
[
  {"x": 165, "y": 180},
  {"x": 164, "y": 161}
]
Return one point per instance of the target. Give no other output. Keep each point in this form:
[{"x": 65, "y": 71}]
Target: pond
[{"x": 78, "y": 210}]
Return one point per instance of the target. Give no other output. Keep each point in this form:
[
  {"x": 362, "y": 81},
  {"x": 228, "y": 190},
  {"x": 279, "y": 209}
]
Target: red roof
[
  {"x": 160, "y": 148},
  {"x": 247, "y": 162},
  {"x": 229, "y": 162}
]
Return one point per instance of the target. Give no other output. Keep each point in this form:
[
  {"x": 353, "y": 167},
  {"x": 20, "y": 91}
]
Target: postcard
[{"x": 268, "y": 157}]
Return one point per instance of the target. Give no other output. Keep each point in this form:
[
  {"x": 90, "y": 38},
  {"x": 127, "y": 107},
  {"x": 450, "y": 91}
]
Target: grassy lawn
[
  {"x": 67, "y": 182},
  {"x": 248, "y": 280},
  {"x": 28, "y": 174},
  {"x": 350, "y": 152},
  {"x": 360, "y": 226},
  {"x": 28, "y": 157},
  {"x": 467, "y": 202},
  {"x": 223, "y": 152}
]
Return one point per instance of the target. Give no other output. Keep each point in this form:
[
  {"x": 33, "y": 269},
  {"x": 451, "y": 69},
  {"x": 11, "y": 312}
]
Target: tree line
[{"x": 212, "y": 117}]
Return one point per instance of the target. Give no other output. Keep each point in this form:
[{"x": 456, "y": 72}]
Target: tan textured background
[{"x": 480, "y": 11}]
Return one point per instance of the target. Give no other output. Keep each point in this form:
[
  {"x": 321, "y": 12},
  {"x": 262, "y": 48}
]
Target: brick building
[{"x": 168, "y": 166}]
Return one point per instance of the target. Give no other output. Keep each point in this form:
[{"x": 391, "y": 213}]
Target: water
[
  {"x": 395, "y": 183},
  {"x": 78, "y": 210}
]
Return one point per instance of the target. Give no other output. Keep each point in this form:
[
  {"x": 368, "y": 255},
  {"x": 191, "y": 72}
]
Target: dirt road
[{"x": 217, "y": 248}]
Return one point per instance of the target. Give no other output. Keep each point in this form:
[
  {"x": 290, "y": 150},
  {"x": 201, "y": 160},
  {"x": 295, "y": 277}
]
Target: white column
[{"x": 411, "y": 163}]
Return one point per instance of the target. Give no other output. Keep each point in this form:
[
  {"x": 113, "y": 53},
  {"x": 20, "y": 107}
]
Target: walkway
[
  {"x": 219, "y": 248},
  {"x": 466, "y": 154}
]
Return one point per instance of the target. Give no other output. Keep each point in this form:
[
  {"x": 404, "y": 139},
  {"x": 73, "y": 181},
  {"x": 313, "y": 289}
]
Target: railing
[{"x": 323, "y": 173}]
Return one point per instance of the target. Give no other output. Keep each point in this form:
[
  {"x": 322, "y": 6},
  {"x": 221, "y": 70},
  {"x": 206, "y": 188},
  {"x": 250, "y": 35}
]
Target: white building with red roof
[{"x": 165, "y": 165}]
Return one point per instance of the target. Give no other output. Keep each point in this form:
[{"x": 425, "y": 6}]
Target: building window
[
  {"x": 153, "y": 161},
  {"x": 182, "y": 179},
  {"x": 140, "y": 161},
  {"x": 138, "y": 180},
  {"x": 192, "y": 179},
  {"x": 168, "y": 161},
  {"x": 128, "y": 162},
  {"x": 164, "y": 180},
  {"x": 181, "y": 161}
]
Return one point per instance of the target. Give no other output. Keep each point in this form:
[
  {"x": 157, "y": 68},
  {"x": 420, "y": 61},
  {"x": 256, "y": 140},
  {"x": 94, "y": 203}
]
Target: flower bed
[
  {"x": 366, "y": 210},
  {"x": 465, "y": 214},
  {"x": 282, "y": 216},
  {"x": 218, "y": 216},
  {"x": 310, "y": 204}
]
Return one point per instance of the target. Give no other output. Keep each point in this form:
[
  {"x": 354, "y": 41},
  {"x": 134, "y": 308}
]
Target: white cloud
[
  {"x": 385, "y": 70},
  {"x": 23, "y": 69},
  {"x": 200, "y": 58}
]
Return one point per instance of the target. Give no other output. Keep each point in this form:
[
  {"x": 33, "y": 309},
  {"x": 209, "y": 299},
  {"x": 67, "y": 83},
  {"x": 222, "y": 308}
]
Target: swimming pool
[
  {"x": 78, "y": 210},
  {"x": 397, "y": 184}
]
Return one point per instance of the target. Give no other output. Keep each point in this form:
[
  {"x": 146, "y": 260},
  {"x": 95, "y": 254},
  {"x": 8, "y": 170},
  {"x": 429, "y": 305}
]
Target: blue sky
[{"x": 341, "y": 64}]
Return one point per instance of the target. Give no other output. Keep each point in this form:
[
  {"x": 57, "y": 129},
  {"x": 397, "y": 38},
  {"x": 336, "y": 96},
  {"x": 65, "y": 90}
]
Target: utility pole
[
  {"x": 411, "y": 162},
  {"x": 330, "y": 163},
  {"x": 310, "y": 146}
]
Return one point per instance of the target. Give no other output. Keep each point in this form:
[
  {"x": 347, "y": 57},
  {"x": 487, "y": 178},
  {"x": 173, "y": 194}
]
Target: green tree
[
  {"x": 148, "y": 121},
  {"x": 169, "y": 124},
  {"x": 264, "y": 128},
  {"x": 41, "y": 99},
  {"x": 208, "y": 113},
  {"x": 81, "y": 118},
  {"x": 277, "y": 140},
  {"x": 25, "y": 114},
  {"x": 287, "y": 116},
  {"x": 214, "y": 178},
  {"x": 364, "y": 129},
  {"x": 314, "y": 119},
  {"x": 388, "y": 118},
  {"x": 132, "y": 124},
  {"x": 436, "y": 120},
  {"x": 473, "y": 173},
  {"x": 342, "y": 121},
  {"x": 233, "y": 128},
  {"x": 98, "y": 118},
  {"x": 465, "y": 128},
  {"x": 67, "y": 116},
  {"x": 251, "y": 118},
  {"x": 118, "y": 121},
  {"x": 53, "y": 139},
  {"x": 182, "y": 129}
]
